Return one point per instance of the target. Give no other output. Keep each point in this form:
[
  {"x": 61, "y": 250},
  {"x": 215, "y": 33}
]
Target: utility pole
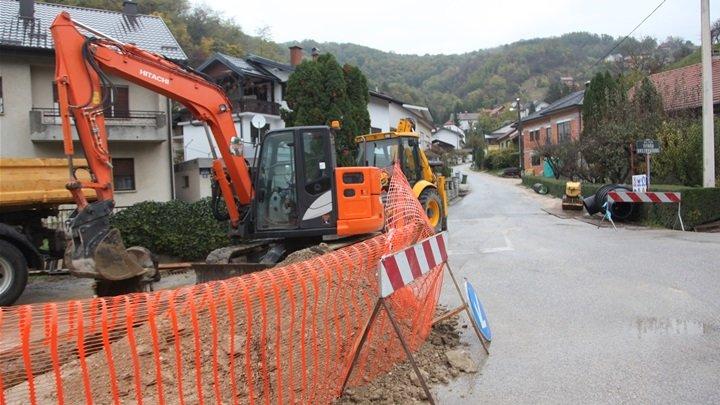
[
  {"x": 520, "y": 136},
  {"x": 707, "y": 100}
]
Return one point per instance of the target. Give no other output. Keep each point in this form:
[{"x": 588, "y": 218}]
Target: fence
[{"x": 284, "y": 335}]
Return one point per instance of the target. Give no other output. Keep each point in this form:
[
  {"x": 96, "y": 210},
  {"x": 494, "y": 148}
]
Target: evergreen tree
[{"x": 323, "y": 91}]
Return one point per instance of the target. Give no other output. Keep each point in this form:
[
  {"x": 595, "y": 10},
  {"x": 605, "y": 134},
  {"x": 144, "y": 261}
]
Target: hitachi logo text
[{"x": 153, "y": 76}]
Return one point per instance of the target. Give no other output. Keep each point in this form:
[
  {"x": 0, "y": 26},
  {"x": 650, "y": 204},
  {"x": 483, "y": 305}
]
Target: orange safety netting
[{"x": 284, "y": 335}]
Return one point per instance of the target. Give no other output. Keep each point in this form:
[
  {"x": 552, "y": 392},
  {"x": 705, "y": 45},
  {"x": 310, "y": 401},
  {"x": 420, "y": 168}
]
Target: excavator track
[{"x": 236, "y": 260}]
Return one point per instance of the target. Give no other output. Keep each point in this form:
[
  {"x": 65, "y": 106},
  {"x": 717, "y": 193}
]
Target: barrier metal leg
[
  {"x": 682, "y": 226},
  {"x": 356, "y": 352},
  {"x": 381, "y": 304},
  {"x": 466, "y": 308},
  {"x": 398, "y": 332}
]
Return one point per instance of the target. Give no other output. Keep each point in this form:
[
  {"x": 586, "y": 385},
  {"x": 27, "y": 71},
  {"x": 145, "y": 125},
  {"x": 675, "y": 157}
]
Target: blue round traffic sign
[{"x": 478, "y": 312}]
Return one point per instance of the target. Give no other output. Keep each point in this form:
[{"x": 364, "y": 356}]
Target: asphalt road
[{"x": 580, "y": 314}]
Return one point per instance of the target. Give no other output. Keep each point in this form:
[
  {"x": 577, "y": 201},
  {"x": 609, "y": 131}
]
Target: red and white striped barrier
[
  {"x": 654, "y": 197},
  {"x": 402, "y": 268},
  {"x": 646, "y": 197}
]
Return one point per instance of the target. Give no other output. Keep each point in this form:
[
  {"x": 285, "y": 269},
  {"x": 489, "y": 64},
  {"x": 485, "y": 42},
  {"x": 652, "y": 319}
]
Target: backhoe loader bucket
[{"x": 97, "y": 250}]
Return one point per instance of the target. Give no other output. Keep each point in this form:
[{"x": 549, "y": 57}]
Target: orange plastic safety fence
[{"x": 283, "y": 335}]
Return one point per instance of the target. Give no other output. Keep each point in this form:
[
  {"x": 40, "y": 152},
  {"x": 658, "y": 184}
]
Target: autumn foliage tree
[{"x": 321, "y": 91}]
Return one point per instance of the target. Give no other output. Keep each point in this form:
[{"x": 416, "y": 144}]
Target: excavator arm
[{"x": 82, "y": 67}]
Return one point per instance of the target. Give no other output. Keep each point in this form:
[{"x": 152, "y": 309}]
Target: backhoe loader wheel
[{"x": 432, "y": 203}]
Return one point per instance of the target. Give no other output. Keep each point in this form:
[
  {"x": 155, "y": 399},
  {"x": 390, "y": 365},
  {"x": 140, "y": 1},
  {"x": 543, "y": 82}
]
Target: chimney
[
  {"x": 296, "y": 55},
  {"x": 315, "y": 53},
  {"x": 130, "y": 8},
  {"x": 27, "y": 8}
]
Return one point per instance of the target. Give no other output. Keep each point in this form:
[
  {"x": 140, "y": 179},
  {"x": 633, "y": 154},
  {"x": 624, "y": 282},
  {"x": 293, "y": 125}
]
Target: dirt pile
[{"x": 440, "y": 359}]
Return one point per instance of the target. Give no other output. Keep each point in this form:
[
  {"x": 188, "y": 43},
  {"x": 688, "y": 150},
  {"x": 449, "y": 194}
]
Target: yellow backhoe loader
[{"x": 382, "y": 149}]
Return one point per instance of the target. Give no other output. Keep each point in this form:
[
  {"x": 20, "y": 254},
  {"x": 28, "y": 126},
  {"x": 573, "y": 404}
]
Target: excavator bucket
[{"x": 97, "y": 250}]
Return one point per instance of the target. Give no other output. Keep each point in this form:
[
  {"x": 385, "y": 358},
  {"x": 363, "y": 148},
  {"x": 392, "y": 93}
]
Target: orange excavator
[{"x": 294, "y": 197}]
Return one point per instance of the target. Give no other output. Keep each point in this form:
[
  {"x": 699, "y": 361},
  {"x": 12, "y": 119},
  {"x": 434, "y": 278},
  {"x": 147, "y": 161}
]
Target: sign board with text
[
  {"x": 639, "y": 183},
  {"x": 647, "y": 146}
]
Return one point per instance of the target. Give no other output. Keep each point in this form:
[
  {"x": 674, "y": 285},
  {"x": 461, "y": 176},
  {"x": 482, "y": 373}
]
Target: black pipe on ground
[{"x": 595, "y": 203}]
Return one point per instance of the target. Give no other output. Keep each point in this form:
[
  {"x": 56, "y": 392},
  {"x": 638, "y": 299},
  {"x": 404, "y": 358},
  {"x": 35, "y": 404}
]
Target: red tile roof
[{"x": 682, "y": 88}]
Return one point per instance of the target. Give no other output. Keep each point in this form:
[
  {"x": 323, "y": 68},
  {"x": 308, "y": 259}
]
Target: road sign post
[{"x": 647, "y": 147}]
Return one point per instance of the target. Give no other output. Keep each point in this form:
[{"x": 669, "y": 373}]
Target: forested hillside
[{"x": 445, "y": 83}]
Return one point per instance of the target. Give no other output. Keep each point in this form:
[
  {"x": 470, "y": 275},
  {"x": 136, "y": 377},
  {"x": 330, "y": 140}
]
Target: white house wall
[
  {"x": 448, "y": 137},
  {"x": 379, "y": 114}
]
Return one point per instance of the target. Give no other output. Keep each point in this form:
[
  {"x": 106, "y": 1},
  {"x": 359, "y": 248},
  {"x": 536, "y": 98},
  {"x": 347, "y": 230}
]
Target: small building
[
  {"x": 559, "y": 122},
  {"x": 466, "y": 121},
  {"x": 502, "y": 138},
  {"x": 193, "y": 179},
  {"x": 386, "y": 111},
  {"x": 137, "y": 119},
  {"x": 449, "y": 136}
]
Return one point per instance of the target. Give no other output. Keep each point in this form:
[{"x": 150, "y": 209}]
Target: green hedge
[
  {"x": 184, "y": 230},
  {"x": 501, "y": 159},
  {"x": 699, "y": 205}
]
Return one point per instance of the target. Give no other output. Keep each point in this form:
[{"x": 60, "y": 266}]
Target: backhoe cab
[{"x": 383, "y": 149}]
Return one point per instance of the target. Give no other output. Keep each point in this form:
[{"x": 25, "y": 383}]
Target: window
[
  {"x": 2, "y": 105},
  {"x": 535, "y": 159},
  {"x": 186, "y": 181},
  {"x": 317, "y": 171},
  {"x": 548, "y": 135},
  {"x": 124, "y": 174},
  {"x": 535, "y": 135},
  {"x": 117, "y": 104},
  {"x": 563, "y": 131}
]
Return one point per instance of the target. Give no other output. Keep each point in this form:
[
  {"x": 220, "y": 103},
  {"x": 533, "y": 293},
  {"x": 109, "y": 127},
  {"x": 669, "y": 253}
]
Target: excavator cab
[{"x": 300, "y": 192}]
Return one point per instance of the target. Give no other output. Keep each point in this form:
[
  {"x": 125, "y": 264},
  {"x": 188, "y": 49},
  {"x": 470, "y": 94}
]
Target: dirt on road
[{"x": 440, "y": 359}]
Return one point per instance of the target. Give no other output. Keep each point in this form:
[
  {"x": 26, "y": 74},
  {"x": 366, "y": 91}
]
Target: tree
[
  {"x": 556, "y": 91},
  {"x": 323, "y": 91},
  {"x": 612, "y": 124}
]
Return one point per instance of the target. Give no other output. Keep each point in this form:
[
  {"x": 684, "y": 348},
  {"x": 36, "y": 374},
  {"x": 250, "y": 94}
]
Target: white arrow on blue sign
[{"x": 478, "y": 312}]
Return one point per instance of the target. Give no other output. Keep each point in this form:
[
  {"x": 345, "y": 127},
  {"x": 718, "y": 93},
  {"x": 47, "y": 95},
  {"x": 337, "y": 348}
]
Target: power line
[{"x": 628, "y": 35}]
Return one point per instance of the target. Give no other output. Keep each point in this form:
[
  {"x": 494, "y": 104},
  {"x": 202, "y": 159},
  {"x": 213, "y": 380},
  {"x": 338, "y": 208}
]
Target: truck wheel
[
  {"x": 13, "y": 273},
  {"x": 432, "y": 204}
]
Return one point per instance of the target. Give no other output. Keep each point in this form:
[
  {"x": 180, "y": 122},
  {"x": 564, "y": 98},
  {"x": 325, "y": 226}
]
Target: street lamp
[{"x": 520, "y": 135}]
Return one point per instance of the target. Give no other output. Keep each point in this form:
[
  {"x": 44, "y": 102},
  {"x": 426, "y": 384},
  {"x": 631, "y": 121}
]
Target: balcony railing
[
  {"x": 134, "y": 126},
  {"x": 256, "y": 106},
  {"x": 128, "y": 117}
]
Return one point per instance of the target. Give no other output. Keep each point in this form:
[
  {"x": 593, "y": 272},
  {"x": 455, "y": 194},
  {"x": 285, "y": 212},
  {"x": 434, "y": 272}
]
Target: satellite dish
[{"x": 258, "y": 121}]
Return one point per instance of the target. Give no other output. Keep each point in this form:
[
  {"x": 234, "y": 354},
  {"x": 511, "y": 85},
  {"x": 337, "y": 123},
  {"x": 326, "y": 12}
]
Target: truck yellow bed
[{"x": 28, "y": 182}]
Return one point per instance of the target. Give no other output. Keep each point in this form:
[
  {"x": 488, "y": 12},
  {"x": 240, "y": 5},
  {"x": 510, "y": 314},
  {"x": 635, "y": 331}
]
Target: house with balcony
[
  {"x": 255, "y": 86},
  {"x": 137, "y": 119}
]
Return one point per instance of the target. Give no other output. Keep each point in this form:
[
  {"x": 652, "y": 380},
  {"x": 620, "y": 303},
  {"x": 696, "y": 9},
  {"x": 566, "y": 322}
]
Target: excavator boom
[{"x": 81, "y": 72}]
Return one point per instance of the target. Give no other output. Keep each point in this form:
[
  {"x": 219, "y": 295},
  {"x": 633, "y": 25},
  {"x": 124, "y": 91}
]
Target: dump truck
[
  {"x": 383, "y": 149},
  {"x": 31, "y": 191}
]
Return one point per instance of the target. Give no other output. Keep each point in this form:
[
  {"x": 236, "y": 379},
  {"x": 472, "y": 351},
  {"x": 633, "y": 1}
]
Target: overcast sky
[{"x": 406, "y": 26}]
